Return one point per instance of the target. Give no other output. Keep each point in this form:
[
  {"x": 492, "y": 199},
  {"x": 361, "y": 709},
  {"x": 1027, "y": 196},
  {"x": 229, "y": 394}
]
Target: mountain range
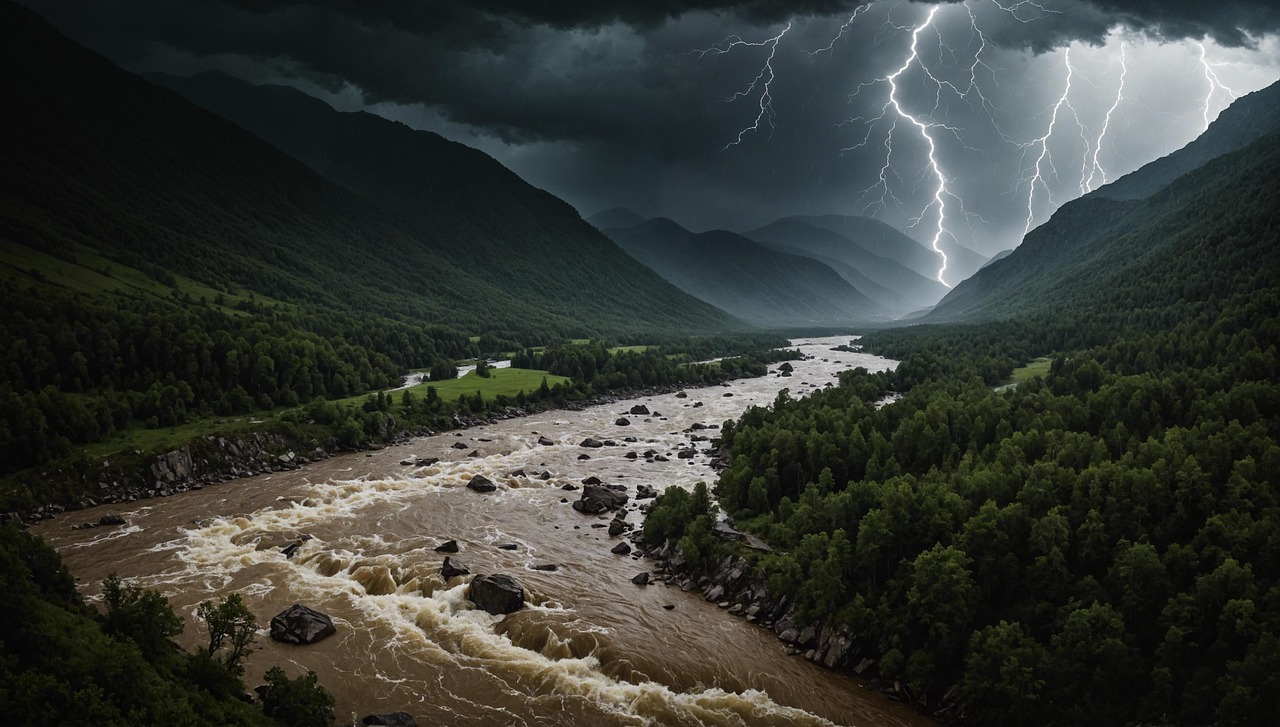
[{"x": 749, "y": 280}]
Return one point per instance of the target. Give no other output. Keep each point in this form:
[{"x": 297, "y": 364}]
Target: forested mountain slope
[
  {"x": 159, "y": 264},
  {"x": 1094, "y": 249},
  {"x": 463, "y": 209},
  {"x": 753, "y": 282}
]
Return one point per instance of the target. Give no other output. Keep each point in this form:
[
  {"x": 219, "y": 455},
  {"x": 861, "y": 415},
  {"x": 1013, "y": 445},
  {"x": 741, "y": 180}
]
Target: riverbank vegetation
[{"x": 65, "y": 662}]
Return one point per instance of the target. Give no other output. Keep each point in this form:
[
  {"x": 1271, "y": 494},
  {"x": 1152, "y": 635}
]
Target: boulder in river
[
  {"x": 597, "y": 498},
  {"x": 447, "y": 547},
  {"x": 681, "y": 395},
  {"x": 496, "y": 594},
  {"x": 584, "y": 456},
  {"x": 298, "y": 624},
  {"x": 548, "y": 567},
  {"x": 459, "y": 445},
  {"x": 641, "y": 579},
  {"x": 617, "y": 526},
  {"x": 392, "y": 719},
  {"x": 453, "y": 568},
  {"x": 546, "y": 441},
  {"x": 592, "y": 480},
  {"x": 111, "y": 518},
  {"x": 622, "y": 422},
  {"x": 640, "y": 410},
  {"x": 622, "y": 548},
  {"x": 592, "y": 443},
  {"x": 480, "y": 483}
]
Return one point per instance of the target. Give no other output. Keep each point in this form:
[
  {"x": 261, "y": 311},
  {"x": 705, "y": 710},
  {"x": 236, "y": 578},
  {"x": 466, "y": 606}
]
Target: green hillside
[{"x": 472, "y": 221}]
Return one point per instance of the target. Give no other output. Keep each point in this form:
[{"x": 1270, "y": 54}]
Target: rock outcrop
[
  {"x": 299, "y": 624},
  {"x": 496, "y": 594}
]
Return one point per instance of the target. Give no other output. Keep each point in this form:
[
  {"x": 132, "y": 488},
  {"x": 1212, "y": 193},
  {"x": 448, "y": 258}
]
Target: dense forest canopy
[{"x": 1095, "y": 546}]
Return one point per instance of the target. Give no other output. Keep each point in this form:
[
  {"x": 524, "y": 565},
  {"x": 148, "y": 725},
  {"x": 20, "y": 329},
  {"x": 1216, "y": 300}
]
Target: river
[{"x": 589, "y": 648}]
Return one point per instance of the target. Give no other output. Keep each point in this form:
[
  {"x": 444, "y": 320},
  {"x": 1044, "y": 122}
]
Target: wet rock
[
  {"x": 681, "y": 395},
  {"x": 592, "y": 443},
  {"x": 593, "y": 480},
  {"x": 698, "y": 425},
  {"x": 548, "y": 567},
  {"x": 728, "y": 393},
  {"x": 669, "y": 606},
  {"x": 645, "y": 492},
  {"x": 508, "y": 546},
  {"x": 299, "y": 624},
  {"x": 569, "y": 486},
  {"x": 290, "y": 549},
  {"x": 546, "y": 475},
  {"x": 480, "y": 483},
  {"x": 622, "y": 422},
  {"x": 447, "y": 547},
  {"x": 697, "y": 404},
  {"x": 475, "y": 453},
  {"x": 631, "y": 455},
  {"x": 639, "y": 410},
  {"x": 453, "y": 567},
  {"x": 660, "y": 458},
  {"x": 584, "y": 456},
  {"x": 621, "y": 549},
  {"x": 111, "y": 518},
  {"x": 496, "y": 594},
  {"x": 641, "y": 579},
  {"x": 686, "y": 453},
  {"x": 545, "y": 441},
  {"x": 616, "y": 527},
  {"x": 459, "y": 445},
  {"x": 392, "y": 719},
  {"x": 596, "y": 499}
]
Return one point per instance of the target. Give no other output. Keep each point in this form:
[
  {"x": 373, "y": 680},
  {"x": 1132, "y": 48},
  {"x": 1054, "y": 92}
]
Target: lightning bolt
[
  {"x": 1096, "y": 168},
  {"x": 762, "y": 80},
  {"x": 843, "y": 29},
  {"x": 1214, "y": 86},
  {"x": 1045, "y": 156},
  {"x": 925, "y": 128}
]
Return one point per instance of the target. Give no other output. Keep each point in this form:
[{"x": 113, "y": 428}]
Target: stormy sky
[{"x": 660, "y": 105}]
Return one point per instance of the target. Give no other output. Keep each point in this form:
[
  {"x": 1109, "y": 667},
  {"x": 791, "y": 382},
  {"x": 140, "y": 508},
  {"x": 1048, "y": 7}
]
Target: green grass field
[
  {"x": 508, "y": 382},
  {"x": 1038, "y": 367},
  {"x": 167, "y": 438}
]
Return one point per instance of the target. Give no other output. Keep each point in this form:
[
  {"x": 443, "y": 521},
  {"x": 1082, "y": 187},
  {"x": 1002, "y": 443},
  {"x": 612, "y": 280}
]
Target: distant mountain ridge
[
  {"x": 895, "y": 287},
  {"x": 883, "y": 240},
  {"x": 615, "y": 217},
  {"x": 751, "y": 281}
]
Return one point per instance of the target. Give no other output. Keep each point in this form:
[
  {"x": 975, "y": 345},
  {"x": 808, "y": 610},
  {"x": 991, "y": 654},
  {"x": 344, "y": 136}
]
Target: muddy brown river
[{"x": 589, "y": 648}]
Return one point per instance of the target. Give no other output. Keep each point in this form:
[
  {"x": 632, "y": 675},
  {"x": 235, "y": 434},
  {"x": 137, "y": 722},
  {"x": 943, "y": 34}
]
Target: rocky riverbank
[
  {"x": 742, "y": 590},
  {"x": 211, "y": 460}
]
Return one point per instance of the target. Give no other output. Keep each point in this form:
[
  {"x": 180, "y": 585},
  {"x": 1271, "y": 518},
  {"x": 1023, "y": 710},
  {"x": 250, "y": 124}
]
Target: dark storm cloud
[{"x": 603, "y": 104}]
